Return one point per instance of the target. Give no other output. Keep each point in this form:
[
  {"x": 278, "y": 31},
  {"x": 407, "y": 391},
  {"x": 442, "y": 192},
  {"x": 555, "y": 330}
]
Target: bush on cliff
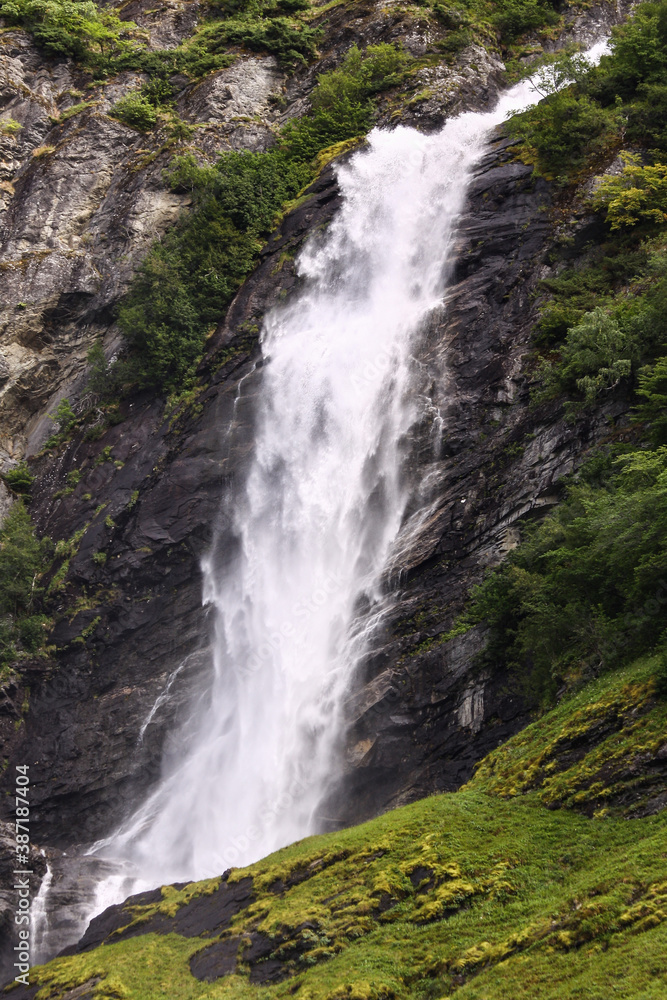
[
  {"x": 516, "y": 17},
  {"x": 136, "y": 111},
  {"x": 587, "y": 588},
  {"x": 76, "y": 28},
  {"x": 23, "y": 559},
  {"x": 626, "y": 93},
  {"x": 99, "y": 39}
]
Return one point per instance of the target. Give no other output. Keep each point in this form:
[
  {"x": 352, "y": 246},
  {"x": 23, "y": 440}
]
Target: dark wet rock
[
  {"x": 205, "y": 915},
  {"x": 215, "y": 961}
]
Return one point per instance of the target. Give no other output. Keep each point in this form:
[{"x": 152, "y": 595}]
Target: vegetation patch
[
  {"x": 24, "y": 559},
  {"x": 187, "y": 280},
  {"x": 463, "y": 894},
  {"x": 623, "y": 99},
  {"x": 597, "y": 751},
  {"x": 585, "y": 590}
]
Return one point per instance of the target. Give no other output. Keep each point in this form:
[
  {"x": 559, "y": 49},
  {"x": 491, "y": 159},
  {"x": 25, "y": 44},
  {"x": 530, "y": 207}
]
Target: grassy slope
[{"x": 513, "y": 899}]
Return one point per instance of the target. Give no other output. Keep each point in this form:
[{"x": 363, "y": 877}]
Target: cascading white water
[{"x": 321, "y": 509}]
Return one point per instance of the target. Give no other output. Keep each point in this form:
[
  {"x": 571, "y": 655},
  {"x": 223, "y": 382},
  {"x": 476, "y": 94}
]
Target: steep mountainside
[{"x": 138, "y": 503}]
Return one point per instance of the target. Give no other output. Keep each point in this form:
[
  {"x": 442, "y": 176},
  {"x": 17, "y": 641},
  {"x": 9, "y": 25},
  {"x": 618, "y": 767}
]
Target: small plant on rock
[{"x": 135, "y": 110}]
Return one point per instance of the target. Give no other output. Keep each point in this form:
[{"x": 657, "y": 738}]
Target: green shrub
[
  {"x": 292, "y": 42},
  {"x": 64, "y": 417},
  {"x": 562, "y": 132},
  {"x": 23, "y": 560},
  {"x": 455, "y": 41},
  {"x": 102, "y": 378},
  {"x": 639, "y": 55},
  {"x": 636, "y": 196},
  {"x": 32, "y": 632},
  {"x": 448, "y": 17},
  {"x": 626, "y": 93},
  {"x": 19, "y": 479},
  {"x": 587, "y": 587},
  {"x": 342, "y": 105},
  {"x": 23, "y": 557},
  {"x": 136, "y": 111},
  {"x": 516, "y": 17},
  {"x": 606, "y": 344},
  {"x": 76, "y": 28},
  {"x": 596, "y": 355},
  {"x": 8, "y": 126},
  {"x": 652, "y": 390}
]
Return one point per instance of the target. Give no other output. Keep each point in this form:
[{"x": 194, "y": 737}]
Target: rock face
[{"x": 482, "y": 459}]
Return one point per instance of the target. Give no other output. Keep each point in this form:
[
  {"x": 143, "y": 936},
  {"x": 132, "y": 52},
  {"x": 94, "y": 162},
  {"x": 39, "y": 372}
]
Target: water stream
[{"x": 318, "y": 516}]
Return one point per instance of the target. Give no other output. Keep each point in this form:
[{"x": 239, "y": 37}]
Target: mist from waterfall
[{"x": 316, "y": 519}]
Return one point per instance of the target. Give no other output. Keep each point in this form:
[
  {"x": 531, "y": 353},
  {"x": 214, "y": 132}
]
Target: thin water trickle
[{"x": 318, "y": 517}]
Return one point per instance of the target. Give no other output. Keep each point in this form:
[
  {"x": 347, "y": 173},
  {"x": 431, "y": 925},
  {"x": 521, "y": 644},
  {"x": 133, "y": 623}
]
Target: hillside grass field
[{"x": 488, "y": 893}]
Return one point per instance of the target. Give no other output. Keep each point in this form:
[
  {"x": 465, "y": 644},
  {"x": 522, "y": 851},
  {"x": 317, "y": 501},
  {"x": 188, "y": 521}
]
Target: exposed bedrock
[{"x": 133, "y": 627}]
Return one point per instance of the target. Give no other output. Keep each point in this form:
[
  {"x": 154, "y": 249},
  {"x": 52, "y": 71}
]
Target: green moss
[
  {"x": 88, "y": 630},
  {"x": 589, "y": 752},
  {"x": 76, "y": 109},
  {"x": 461, "y": 895}
]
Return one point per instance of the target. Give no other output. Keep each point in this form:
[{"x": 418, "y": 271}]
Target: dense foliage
[
  {"x": 23, "y": 559},
  {"x": 97, "y": 36},
  {"x": 587, "y": 588},
  {"x": 624, "y": 97},
  {"x": 76, "y": 28},
  {"x": 182, "y": 288}
]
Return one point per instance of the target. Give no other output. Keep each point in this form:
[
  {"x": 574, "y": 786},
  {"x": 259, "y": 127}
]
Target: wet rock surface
[{"x": 482, "y": 459}]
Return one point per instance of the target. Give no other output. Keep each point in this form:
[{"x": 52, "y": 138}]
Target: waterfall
[{"x": 318, "y": 514}]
